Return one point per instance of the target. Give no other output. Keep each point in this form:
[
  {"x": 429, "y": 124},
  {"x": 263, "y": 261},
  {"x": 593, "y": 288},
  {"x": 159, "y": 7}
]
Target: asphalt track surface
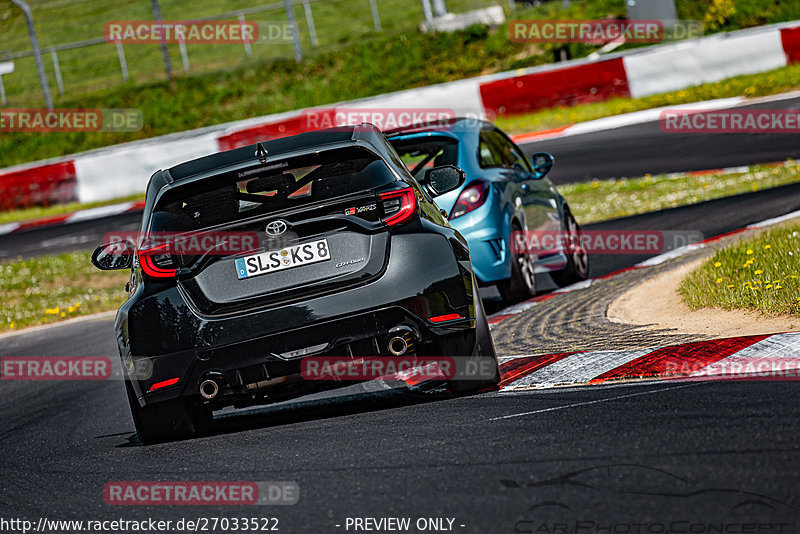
[
  {"x": 666, "y": 455},
  {"x": 638, "y": 149}
]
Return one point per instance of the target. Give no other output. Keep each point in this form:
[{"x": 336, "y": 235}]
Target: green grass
[
  {"x": 261, "y": 87},
  {"x": 599, "y": 200},
  {"x": 751, "y": 85},
  {"x": 339, "y": 24},
  {"x": 758, "y": 274},
  {"x": 54, "y": 288},
  {"x": 37, "y": 212}
]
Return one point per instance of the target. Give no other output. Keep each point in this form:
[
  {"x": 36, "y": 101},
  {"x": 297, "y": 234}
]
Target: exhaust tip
[
  {"x": 208, "y": 389},
  {"x": 398, "y": 346}
]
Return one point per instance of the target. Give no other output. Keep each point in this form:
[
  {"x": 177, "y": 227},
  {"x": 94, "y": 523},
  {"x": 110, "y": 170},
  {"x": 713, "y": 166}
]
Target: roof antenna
[{"x": 261, "y": 152}]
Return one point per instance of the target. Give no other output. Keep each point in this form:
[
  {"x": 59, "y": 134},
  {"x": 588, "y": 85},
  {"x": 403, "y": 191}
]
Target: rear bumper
[{"x": 426, "y": 276}]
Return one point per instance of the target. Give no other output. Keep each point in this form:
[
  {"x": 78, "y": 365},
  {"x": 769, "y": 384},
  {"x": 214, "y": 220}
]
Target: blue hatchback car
[{"x": 504, "y": 193}]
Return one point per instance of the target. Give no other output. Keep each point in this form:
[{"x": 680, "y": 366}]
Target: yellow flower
[
  {"x": 749, "y": 251},
  {"x": 759, "y": 271},
  {"x": 13, "y": 325},
  {"x": 730, "y": 286},
  {"x": 767, "y": 247},
  {"x": 718, "y": 264},
  {"x": 719, "y": 280},
  {"x": 63, "y": 314},
  {"x": 768, "y": 286}
]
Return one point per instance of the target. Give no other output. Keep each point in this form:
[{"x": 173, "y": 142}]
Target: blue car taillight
[{"x": 471, "y": 198}]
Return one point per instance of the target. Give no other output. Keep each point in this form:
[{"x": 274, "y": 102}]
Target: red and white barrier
[
  {"x": 51, "y": 183},
  {"x": 760, "y": 357},
  {"x": 125, "y": 169}
]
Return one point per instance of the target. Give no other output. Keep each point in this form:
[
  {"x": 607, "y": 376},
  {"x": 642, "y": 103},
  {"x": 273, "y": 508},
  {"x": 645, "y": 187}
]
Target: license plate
[{"x": 278, "y": 260}]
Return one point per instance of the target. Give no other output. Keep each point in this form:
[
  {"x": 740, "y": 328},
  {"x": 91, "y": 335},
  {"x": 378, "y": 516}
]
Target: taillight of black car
[
  {"x": 398, "y": 206},
  {"x": 157, "y": 262}
]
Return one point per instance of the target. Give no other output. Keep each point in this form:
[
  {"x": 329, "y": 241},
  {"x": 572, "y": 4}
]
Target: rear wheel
[
  {"x": 522, "y": 283},
  {"x": 168, "y": 420},
  {"x": 479, "y": 370},
  {"x": 577, "y": 268}
]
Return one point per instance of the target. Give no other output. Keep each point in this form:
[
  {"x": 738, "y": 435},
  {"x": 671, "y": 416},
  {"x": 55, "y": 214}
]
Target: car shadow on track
[{"x": 291, "y": 412}]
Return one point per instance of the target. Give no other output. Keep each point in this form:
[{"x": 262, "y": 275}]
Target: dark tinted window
[
  {"x": 495, "y": 150},
  {"x": 274, "y": 186},
  {"x": 420, "y": 153}
]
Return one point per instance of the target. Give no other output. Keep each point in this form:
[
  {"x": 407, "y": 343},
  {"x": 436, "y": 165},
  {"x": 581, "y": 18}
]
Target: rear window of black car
[{"x": 276, "y": 185}]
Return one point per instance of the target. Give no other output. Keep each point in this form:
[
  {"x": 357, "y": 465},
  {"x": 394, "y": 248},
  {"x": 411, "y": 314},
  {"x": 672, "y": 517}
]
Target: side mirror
[
  {"x": 542, "y": 163},
  {"x": 441, "y": 180},
  {"x": 113, "y": 256}
]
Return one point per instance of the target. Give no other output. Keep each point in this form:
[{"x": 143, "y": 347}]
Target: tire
[
  {"x": 577, "y": 269},
  {"x": 483, "y": 358},
  {"x": 168, "y": 420},
  {"x": 522, "y": 283}
]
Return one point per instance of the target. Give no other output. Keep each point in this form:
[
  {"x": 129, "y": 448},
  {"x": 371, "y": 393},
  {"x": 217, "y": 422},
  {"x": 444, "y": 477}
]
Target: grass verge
[
  {"x": 757, "y": 274},
  {"x": 54, "y": 288},
  {"x": 37, "y": 212},
  {"x": 599, "y": 200}
]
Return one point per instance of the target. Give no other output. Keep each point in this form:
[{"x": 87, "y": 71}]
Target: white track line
[{"x": 596, "y": 401}]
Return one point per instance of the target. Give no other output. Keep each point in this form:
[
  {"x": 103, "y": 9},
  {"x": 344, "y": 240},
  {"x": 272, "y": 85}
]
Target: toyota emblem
[{"x": 276, "y": 228}]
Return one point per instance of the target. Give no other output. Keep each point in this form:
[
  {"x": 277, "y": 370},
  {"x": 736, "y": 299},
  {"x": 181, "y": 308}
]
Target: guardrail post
[
  {"x": 3, "y": 101},
  {"x": 248, "y": 48},
  {"x": 184, "y": 55},
  {"x": 122, "y": 63},
  {"x": 57, "y": 69},
  {"x": 426, "y": 8},
  {"x": 298, "y": 52},
  {"x": 376, "y": 18},
  {"x": 312, "y": 30},
  {"x": 37, "y": 53}
]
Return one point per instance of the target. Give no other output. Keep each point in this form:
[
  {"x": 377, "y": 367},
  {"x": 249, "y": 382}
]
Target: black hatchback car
[{"x": 352, "y": 259}]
